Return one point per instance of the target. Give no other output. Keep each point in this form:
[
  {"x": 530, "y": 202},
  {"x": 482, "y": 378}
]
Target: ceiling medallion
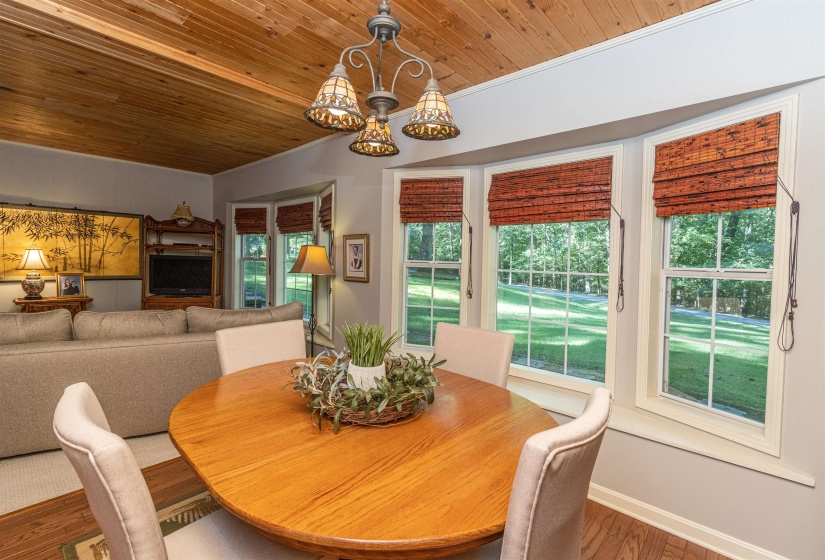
[{"x": 336, "y": 107}]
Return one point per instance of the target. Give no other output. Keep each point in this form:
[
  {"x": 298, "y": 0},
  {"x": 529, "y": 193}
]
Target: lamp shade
[
  {"x": 183, "y": 212},
  {"x": 431, "y": 118},
  {"x": 34, "y": 259},
  {"x": 335, "y": 106},
  {"x": 312, "y": 260},
  {"x": 375, "y": 140}
]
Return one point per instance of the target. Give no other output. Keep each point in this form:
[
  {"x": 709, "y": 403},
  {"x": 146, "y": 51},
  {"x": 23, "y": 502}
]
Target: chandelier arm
[
  {"x": 356, "y": 66},
  {"x": 414, "y": 58},
  {"x": 413, "y": 74}
]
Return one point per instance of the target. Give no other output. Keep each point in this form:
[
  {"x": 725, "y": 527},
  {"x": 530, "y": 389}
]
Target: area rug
[{"x": 172, "y": 516}]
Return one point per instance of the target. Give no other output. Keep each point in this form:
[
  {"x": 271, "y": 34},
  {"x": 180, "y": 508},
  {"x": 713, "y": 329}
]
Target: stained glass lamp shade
[
  {"x": 375, "y": 140},
  {"x": 335, "y": 106},
  {"x": 431, "y": 118}
]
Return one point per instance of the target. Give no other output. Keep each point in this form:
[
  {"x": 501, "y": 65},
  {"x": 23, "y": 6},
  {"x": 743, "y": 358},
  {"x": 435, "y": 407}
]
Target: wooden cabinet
[
  {"x": 201, "y": 237},
  {"x": 74, "y": 304}
]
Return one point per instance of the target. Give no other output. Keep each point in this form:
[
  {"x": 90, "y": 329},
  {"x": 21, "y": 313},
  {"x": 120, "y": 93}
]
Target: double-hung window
[
  {"x": 714, "y": 270},
  {"x": 432, "y": 254},
  {"x": 252, "y": 246},
  {"x": 296, "y": 227},
  {"x": 551, "y": 234}
]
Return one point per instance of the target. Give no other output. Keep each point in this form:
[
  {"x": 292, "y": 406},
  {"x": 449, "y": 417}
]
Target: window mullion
[{"x": 567, "y": 300}]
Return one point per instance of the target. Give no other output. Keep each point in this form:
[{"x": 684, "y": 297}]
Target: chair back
[
  {"x": 477, "y": 353},
  {"x": 253, "y": 345},
  {"x": 110, "y": 475},
  {"x": 546, "y": 513}
]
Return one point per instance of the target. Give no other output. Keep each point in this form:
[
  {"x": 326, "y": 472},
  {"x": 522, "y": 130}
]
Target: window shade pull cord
[
  {"x": 787, "y": 337},
  {"x": 470, "y": 263},
  {"x": 620, "y": 296}
]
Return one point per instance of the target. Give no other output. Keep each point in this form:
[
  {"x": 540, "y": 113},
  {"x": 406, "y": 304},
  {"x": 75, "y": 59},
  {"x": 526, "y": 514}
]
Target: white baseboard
[{"x": 694, "y": 532}]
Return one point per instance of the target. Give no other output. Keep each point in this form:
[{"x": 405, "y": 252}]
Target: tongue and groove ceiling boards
[{"x": 209, "y": 85}]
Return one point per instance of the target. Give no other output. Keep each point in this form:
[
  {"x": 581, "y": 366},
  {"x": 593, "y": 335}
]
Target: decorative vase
[{"x": 365, "y": 376}]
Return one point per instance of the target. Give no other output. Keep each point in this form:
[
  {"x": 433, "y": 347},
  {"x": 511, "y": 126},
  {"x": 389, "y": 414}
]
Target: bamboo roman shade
[
  {"x": 569, "y": 192},
  {"x": 296, "y": 218},
  {"x": 325, "y": 212},
  {"x": 731, "y": 168},
  {"x": 432, "y": 200},
  {"x": 250, "y": 221}
]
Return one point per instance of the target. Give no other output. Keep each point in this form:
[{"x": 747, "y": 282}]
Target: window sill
[{"x": 674, "y": 434}]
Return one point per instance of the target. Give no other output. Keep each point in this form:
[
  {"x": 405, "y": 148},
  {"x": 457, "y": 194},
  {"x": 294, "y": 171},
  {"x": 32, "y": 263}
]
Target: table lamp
[
  {"x": 33, "y": 260},
  {"x": 312, "y": 260}
]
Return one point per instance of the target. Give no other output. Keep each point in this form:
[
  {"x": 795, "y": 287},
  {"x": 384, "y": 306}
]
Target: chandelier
[{"x": 336, "y": 108}]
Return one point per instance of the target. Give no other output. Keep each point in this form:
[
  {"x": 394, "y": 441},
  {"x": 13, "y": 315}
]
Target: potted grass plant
[{"x": 368, "y": 349}]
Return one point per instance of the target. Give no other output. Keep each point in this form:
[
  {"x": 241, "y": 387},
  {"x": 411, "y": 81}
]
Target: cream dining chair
[
  {"x": 477, "y": 353},
  {"x": 122, "y": 505},
  {"x": 245, "y": 347},
  {"x": 546, "y": 512}
]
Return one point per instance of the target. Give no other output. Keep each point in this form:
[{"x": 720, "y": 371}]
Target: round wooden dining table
[{"x": 433, "y": 486}]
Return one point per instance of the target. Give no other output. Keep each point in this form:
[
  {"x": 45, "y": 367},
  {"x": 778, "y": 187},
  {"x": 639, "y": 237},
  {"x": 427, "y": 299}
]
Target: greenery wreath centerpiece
[{"x": 401, "y": 385}]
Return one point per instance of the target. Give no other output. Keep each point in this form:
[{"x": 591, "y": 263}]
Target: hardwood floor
[{"x": 36, "y": 532}]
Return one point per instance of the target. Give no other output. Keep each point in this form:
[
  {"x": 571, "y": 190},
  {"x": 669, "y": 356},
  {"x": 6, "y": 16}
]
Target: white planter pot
[{"x": 365, "y": 376}]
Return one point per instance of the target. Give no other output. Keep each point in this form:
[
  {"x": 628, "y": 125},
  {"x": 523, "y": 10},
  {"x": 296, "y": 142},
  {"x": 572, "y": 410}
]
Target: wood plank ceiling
[{"x": 208, "y": 85}]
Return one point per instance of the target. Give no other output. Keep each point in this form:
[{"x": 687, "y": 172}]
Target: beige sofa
[{"x": 139, "y": 364}]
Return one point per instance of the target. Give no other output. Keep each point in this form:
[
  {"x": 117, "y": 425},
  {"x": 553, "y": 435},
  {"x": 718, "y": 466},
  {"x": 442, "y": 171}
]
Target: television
[{"x": 180, "y": 275}]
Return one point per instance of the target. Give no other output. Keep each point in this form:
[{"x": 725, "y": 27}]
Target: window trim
[
  {"x": 329, "y": 333},
  {"x": 398, "y": 246},
  {"x": 278, "y": 244},
  {"x": 490, "y": 259},
  {"x": 651, "y": 303},
  {"x": 237, "y": 277}
]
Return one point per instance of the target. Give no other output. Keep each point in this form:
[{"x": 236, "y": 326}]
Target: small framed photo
[
  {"x": 70, "y": 284},
  {"x": 357, "y": 257}
]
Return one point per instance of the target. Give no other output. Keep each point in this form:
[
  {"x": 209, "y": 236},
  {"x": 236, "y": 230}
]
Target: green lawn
[{"x": 740, "y": 378}]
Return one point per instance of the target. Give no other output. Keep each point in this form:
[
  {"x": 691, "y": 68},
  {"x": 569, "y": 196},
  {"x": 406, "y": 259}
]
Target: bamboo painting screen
[{"x": 99, "y": 244}]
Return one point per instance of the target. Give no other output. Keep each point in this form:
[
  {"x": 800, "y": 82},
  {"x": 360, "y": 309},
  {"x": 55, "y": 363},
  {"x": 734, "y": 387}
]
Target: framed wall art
[
  {"x": 70, "y": 284},
  {"x": 357, "y": 257},
  {"x": 96, "y": 245}
]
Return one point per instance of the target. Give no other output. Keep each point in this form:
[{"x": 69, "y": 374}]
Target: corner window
[
  {"x": 552, "y": 295},
  {"x": 432, "y": 279},
  {"x": 253, "y": 267},
  {"x": 296, "y": 287}
]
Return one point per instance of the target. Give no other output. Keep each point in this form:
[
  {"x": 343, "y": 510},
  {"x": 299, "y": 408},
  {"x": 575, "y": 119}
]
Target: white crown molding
[{"x": 594, "y": 49}]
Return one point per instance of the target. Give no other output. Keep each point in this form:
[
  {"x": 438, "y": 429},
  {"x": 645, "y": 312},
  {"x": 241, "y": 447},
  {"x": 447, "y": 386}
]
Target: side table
[{"x": 73, "y": 304}]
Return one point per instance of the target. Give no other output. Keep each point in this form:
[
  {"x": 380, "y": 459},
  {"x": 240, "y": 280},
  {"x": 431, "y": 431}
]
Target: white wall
[
  {"x": 46, "y": 177},
  {"x": 713, "y": 61}
]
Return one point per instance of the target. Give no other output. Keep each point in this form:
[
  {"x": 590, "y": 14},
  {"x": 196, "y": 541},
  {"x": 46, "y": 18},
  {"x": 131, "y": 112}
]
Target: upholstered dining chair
[
  {"x": 477, "y": 353},
  {"x": 121, "y": 502},
  {"x": 244, "y": 347},
  {"x": 545, "y": 517}
]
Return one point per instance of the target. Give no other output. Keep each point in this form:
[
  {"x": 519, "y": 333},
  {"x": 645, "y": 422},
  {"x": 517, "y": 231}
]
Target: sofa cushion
[
  {"x": 46, "y": 326},
  {"x": 203, "y": 319},
  {"x": 128, "y": 324}
]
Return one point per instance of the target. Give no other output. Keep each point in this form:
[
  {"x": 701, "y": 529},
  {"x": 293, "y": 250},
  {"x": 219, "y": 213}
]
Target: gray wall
[
  {"x": 46, "y": 177},
  {"x": 659, "y": 80}
]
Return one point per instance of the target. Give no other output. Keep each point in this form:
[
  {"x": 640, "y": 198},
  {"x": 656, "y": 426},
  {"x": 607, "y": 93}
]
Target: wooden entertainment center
[{"x": 198, "y": 238}]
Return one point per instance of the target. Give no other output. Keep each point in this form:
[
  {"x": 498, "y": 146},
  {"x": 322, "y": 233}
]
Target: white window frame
[
  {"x": 652, "y": 298},
  {"x": 237, "y": 255},
  {"x": 490, "y": 268},
  {"x": 280, "y": 269},
  {"x": 399, "y": 247},
  {"x": 326, "y": 322}
]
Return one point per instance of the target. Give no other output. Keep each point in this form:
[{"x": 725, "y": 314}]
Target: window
[
  {"x": 717, "y": 309},
  {"x": 432, "y": 279},
  {"x": 253, "y": 270},
  {"x": 297, "y": 287},
  {"x": 251, "y": 250},
  {"x": 552, "y": 295},
  {"x": 549, "y": 265},
  {"x": 714, "y": 274}
]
